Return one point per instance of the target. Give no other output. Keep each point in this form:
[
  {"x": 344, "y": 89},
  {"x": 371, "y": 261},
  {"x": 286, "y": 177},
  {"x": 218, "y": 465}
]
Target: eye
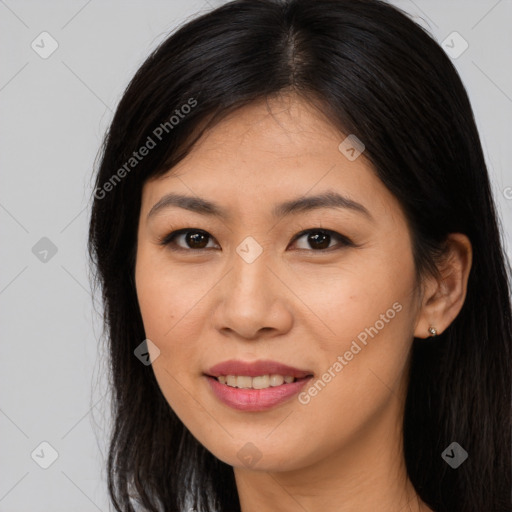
[
  {"x": 197, "y": 240},
  {"x": 320, "y": 239}
]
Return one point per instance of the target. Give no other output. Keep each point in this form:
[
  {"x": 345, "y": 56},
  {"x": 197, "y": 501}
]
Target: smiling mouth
[{"x": 256, "y": 394}]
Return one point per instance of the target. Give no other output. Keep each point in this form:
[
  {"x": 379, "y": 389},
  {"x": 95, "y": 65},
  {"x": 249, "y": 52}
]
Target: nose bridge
[
  {"x": 250, "y": 277},
  {"x": 252, "y": 298}
]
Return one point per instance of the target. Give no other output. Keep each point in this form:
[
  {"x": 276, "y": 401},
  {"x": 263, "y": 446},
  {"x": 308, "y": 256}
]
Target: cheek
[
  {"x": 168, "y": 296},
  {"x": 367, "y": 323},
  {"x": 166, "y": 303},
  {"x": 362, "y": 375},
  {"x": 362, "y": 293}
]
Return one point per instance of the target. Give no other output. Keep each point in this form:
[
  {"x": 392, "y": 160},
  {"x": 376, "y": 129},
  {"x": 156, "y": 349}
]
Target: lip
[
  {"x": 256, "y": 399},
  {"x": 256, "y": 368}
]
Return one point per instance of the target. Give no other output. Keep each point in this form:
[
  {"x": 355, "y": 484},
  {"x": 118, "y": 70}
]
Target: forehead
[{"x": 269, "y": 152}]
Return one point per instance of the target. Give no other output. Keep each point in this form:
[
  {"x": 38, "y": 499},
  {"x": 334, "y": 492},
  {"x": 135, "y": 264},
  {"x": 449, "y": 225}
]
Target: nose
[{"x": 253, "y": 301}]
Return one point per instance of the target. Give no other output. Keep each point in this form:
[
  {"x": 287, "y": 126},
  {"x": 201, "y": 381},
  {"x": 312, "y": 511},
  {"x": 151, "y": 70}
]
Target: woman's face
[{"x": 341, "y": 304}]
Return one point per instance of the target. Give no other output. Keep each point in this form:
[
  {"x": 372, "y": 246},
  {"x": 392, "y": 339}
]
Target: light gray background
[{"x": 54, "y": 113}]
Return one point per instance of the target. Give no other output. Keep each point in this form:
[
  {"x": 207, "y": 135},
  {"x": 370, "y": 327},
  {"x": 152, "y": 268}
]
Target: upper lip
[{"x": 256, "y": 368}]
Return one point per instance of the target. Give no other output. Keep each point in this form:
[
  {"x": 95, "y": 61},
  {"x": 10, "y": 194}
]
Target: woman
[{"x": 305, "y": 291}]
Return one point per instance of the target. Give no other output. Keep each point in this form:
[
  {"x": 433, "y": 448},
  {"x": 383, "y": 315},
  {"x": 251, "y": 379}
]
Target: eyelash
[{"x": 168, "y": 240}]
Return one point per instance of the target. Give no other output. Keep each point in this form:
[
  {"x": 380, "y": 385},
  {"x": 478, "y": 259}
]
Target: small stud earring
[{"x": 432, "y": 331}]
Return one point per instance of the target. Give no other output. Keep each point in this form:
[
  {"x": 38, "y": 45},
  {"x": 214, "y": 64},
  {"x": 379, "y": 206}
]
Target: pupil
[
  {"x": 319, "y": 236},
  {"x": 194, "y": 240}
]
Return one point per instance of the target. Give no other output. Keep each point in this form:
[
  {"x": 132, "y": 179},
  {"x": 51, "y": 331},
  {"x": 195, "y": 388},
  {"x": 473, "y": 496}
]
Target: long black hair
[{"x": 376, "y": 74}]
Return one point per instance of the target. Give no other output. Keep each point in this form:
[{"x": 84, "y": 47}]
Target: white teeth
[
  {"x": 260, "y": 382},
  {"x": 243, "y": 382},
  {"x": 276, "y": 380}
]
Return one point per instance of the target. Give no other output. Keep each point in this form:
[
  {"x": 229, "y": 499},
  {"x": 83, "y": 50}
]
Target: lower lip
[{"x": 255, "y": 399}]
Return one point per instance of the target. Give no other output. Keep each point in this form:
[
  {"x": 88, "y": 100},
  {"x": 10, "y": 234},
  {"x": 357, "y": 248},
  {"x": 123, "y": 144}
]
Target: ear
[{"x": 444, "y": 296}]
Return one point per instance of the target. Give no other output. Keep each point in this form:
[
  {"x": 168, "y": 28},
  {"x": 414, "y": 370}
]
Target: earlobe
[{"x": 444, "y": 295}]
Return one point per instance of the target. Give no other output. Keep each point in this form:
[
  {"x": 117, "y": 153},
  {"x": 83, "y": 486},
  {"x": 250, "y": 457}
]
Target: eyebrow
[{"x": 328, "y": 199}]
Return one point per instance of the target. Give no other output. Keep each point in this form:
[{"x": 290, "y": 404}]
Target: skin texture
[{"x": 296, "y": 304}]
